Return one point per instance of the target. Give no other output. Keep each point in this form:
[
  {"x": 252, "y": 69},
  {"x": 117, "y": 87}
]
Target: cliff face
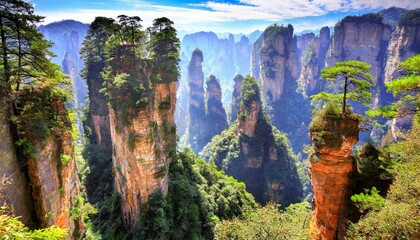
[
  {"x": 98, "y": 106},
  {"x": 313, "y": 61},
  {"x": 404, "y": 43},
  {"x": 278, "y": 61},
  {"x": 39, "y": 170},
  {"x": 215, "y": 113},
  {"x": 254, "y": 152},
  {"x": 330, "y": 170},
  {"x": 14, "y": 190},
  {"x": 196, "y": 108},
  {"x": 53, "y": 178},
  {"x": 236, "y": 100},
  {"x": 275, "y": 62},
  {"x": 363, "y": 38},
  {"x": 143, "y": 138}
]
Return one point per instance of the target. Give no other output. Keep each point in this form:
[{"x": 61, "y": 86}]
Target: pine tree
[{"x": 357, "y": 82}]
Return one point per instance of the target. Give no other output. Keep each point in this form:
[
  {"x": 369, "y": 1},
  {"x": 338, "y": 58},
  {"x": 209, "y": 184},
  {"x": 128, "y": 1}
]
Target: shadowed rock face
[
  {"x": 215, "y": 113},
  {"x": 236, "y": 100},
  {"x": 313, "y": 61},
  {"x": 143, "y": 141},
  {"x": 41, "y": 186},
  {"x": 196, "y": 108},
  {"x": 14, "y": 190},
  {"x": 254, "y": 152},
  {"x": 330, "y": 170},
  {"x": 275, "y": 62}
]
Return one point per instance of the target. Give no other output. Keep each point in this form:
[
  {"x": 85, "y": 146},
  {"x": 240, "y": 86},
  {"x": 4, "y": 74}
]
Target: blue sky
[{"x": 235, "y": 16}]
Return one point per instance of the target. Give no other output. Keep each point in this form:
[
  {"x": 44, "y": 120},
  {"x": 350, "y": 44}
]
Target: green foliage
[
  {"x": 405, "y": 89},
  {"x": 64, "y": 158},
  {"x": 369, "y": 17},
  {"x": 12, "y": 228},
  {"x": 268, "y": 223},
  {"x": 270, "y": 34},
  {"x": 250, "y": 91},
  {"x": 132, "y": 138},
  {"x": 411, "y": 18},
  {"x": 398, "y": 218},
  {"x": 356, "y": 86},
  {"x": 371, "y": 200},
  {"x": 198, "y": 196}
]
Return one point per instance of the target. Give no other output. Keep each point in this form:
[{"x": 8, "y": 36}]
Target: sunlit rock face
[
  {"x": 330, "y": 171},
  {"x": 143, "y": 139},
  {"x": 275, "y": 63}
]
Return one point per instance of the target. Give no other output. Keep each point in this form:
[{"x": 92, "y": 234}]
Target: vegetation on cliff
[
  {"x": 255, "y": 152},
  {"x": 269, "y": 223},
  {"x": 198, "y": 197},
  {"x": 393, "y": 214}
]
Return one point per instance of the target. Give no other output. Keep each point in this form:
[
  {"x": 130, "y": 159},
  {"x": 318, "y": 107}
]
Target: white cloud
[{"x": 214, "y": 16}]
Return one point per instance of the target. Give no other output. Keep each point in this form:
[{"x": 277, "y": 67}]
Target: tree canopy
[
  {"x": 356, "y": 84},
  {"x": 406, "y": 89}
]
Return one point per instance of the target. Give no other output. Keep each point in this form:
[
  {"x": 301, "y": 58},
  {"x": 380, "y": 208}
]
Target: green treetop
[
  {"x": 250, "y": 91},
  {"x": 406, "y": 89},
  {"x": 357, "y": 82},
  {"x": 24, "y": 52}
]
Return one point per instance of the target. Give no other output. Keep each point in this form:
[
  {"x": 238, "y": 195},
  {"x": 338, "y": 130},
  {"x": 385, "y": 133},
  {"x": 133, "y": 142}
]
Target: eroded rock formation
[
  {"x": 236, "y": 100},
  {"x": 143, "y": 137},
  {"x": 254, "y": 152},
  {"x": 53, "y": 178},
  {"x": 39, "y": 174},
  {"x": 215, "y": 113},
  {"x": 275, "y": 62},
  {"x": 196, "y": 108},
  {"x": 330, "y": 169},
  {"x": 313, "y": 61}
]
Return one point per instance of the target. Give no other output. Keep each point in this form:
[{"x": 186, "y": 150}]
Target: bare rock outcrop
[{"x": 330, "y": 170}]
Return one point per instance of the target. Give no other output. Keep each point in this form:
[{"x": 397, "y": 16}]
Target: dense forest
[{"x": 320, "y": 139}]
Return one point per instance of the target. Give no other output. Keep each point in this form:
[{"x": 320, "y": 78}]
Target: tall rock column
[
  {"x": 215, "y": 113},
  {"x": 196, "y": 106},
  {"x": 236, "y": 100},
  {"x": 313, "y": 61},
  {"x": 143, "y": 132},
  {"x": 275, "y": 62},
  {"x": 330, "y": 169}
]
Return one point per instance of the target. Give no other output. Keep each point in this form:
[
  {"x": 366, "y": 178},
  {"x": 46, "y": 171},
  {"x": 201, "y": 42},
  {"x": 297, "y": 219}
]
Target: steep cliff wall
[
  {"x": 404, "y": 43},
  {"x": 236, "y": 100},
  {"x": 14, "y": 190},
  {"x": 362, "y": 38},
  {"x": 313, "y": 61},
  {"x": 53, "y": 179},
  {"x": 143, "y": 133},
  {"x": 215, "y": 113},
  {"x": 275, "y": 62},
  {"x": 45, "y": 167},
  {"x": 256, "y": 153},
  {"x": 330, "y": 169},
  {"x": 196, "y": 105}
]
